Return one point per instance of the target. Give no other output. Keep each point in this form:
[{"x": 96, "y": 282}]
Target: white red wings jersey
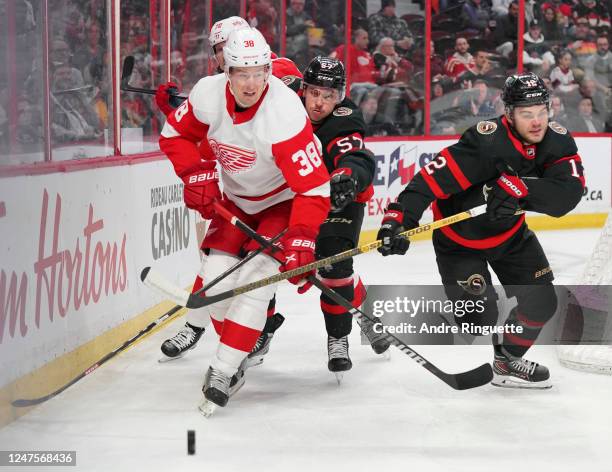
[{"x": 267, "y": 154}]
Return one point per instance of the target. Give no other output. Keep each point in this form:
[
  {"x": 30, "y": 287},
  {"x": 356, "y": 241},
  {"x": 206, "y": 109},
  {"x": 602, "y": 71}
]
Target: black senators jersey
[
  {"x": 342, "y": 138},
  {"x": 454, "y": 180}
]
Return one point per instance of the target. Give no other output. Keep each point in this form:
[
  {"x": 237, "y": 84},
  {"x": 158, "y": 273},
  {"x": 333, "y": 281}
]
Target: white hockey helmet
[
  {"x": 222, "y": 29},
  {"x": 246, "y": 48}
]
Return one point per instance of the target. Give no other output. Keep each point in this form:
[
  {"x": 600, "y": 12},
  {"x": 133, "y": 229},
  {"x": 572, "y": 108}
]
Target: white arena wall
[{"x": 74, "y": 243}]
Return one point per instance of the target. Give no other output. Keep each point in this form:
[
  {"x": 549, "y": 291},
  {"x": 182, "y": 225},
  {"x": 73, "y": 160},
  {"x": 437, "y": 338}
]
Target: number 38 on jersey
[{"x": 308, "y": 159}]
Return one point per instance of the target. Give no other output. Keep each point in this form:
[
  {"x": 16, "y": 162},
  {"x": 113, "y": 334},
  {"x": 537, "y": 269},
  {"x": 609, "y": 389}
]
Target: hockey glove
[
  {"x": 202, "y": 189},
  {"x": 343, "y": 188},
  {"x": 163, "y": 97},
  {"x": 392, "y": 225},
  {"x": 503, "y": 195},
  {"x": 299, "y": 249}
]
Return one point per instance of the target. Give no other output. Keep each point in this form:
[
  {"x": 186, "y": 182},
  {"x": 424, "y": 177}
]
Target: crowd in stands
[
  {"x": 565, "y": 41},
  {"x": 473, "y": 48}
]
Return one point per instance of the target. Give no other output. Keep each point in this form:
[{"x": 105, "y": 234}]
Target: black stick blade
[
  {"x": 472, "y": 378},
  {"x": 126, "y": 73}
]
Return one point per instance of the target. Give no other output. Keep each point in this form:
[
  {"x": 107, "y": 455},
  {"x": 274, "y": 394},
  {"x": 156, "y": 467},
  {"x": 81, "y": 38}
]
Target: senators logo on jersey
[{"x": 233, "y": 159}]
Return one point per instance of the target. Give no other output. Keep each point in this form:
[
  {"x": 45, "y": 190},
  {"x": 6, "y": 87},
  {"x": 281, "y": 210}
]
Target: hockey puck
[{"x": 190, "y": 442}]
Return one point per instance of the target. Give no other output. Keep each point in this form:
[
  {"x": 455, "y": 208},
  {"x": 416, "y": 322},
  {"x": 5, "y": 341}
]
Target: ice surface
[{"x": 133, "y": 413}]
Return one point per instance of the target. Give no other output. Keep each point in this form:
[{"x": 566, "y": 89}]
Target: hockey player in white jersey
[
  {"x": 273, "y": 178},
  {"x": 197, "y": 321}
]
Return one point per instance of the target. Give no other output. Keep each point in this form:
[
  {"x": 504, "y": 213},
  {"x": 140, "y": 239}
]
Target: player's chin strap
[{"x": 473, "y": 378}]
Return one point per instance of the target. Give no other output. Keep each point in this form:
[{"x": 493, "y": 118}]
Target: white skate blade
[
  {"x": 506, "y": 381},
  {"x": 339, "y": 377},
  {"x": 164, "y": 358},
  {"x": 386, "y": 355},
  {"x": 207, "y": 408}
]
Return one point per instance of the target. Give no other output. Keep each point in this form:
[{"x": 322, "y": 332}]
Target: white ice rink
[{"x": 133, "y": 413}]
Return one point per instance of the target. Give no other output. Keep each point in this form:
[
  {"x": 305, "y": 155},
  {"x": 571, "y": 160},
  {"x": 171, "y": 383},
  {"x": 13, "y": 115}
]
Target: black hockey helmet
[
  {"x": 326, "y": 72},
  {"x": 521, "y": 90}
]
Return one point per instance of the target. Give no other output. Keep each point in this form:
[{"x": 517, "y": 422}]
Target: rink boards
[{"x": 74, "y": 243}]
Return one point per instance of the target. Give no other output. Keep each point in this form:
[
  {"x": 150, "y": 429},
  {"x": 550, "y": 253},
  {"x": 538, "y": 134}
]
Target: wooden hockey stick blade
[
  {"x": 462, "y": 381},
  {"x": 198, "y": 302}
]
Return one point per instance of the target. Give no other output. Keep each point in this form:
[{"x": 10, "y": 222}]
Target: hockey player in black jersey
[
  {"x": 339, "y": 125},
  {"x": 518, "y": 161}
]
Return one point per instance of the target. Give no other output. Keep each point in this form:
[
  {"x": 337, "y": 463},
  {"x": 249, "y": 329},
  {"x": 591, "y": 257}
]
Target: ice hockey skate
[
  {"x": 378, "y": 342},
  {"x": 178, "y": 345},
  {"x": 262, "y": 346},
  {"x": 219, "y": 388},
  {"x": 516, "y": 372},
  {"x": 339, "y": 360}
]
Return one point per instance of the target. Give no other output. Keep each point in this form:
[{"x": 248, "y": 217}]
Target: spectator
[
  {"x": 562, "y": 77},
  {"x": 61, "y": 57},
  {"x": 557, "y": 110},
  {"x": 461, "y": 61},
  {"x": 475, "y": 16},
  {"x": 583, "y": 45},
  {"x": 506, "y": 30},
  {"x": 476, "y": 101},
  {"x": 550, "y": 26},
  {"x": 562, "y": 11},
  {"x": 585, "y": 121},
  {"x": 85, "y": 51},
  {"x": 537, "y": 55},
  {"x": 599, "y": 65},
  {"x": 28, "y": 129},
  {"x": 499, "y": 8},
  {"x": 386, "y": 24},
  {"x": 262, "y": 15},
  {"x": 588, "y": 89},
  {"x": 391, "y": 66},
  {"x": 482, "y": 67},
  {"x": 436, "y": 63},
  {"x": 362, "y": 62},
  {"x": 298, "y": 22},
  {"x": 596, "y": 14},
  {"x": 376, "y": 123}
]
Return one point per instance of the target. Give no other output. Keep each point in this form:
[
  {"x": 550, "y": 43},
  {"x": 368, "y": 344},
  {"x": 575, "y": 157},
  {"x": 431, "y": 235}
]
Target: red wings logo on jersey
[{"x": 233, "y": 159}]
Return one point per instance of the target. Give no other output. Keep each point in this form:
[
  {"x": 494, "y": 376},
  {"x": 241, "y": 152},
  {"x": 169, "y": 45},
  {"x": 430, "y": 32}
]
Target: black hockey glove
[
  {"x": 504, "y": 194},
  {"x": 392, "y": 225},
  {"x": 343, "y": 188}
]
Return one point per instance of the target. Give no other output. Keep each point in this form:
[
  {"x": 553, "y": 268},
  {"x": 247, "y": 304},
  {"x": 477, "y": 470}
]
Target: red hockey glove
[
  {"x": 202, "y": 189},
  {"x": 299, "y": 249},
  {"x": 503, "y": 195},
  {"x": 343, "y": 188},
  {"x": 392, "y": 224},
  {"x": 162, "y": 97}
]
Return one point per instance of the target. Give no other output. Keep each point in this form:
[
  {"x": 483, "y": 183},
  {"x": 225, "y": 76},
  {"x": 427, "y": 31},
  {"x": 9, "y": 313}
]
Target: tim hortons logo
[
  {"x": 233, "y": 159},
  {"x": 66, "y": 279}
]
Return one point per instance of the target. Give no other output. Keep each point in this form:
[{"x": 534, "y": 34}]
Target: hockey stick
[
  {"x": 477, "y": 377},
  {"x": 184, "y": 298},
  {"x": 156, "y": 281},
  {"x": 20, "y": 403},
  {"x": 126, "y": 75}
]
